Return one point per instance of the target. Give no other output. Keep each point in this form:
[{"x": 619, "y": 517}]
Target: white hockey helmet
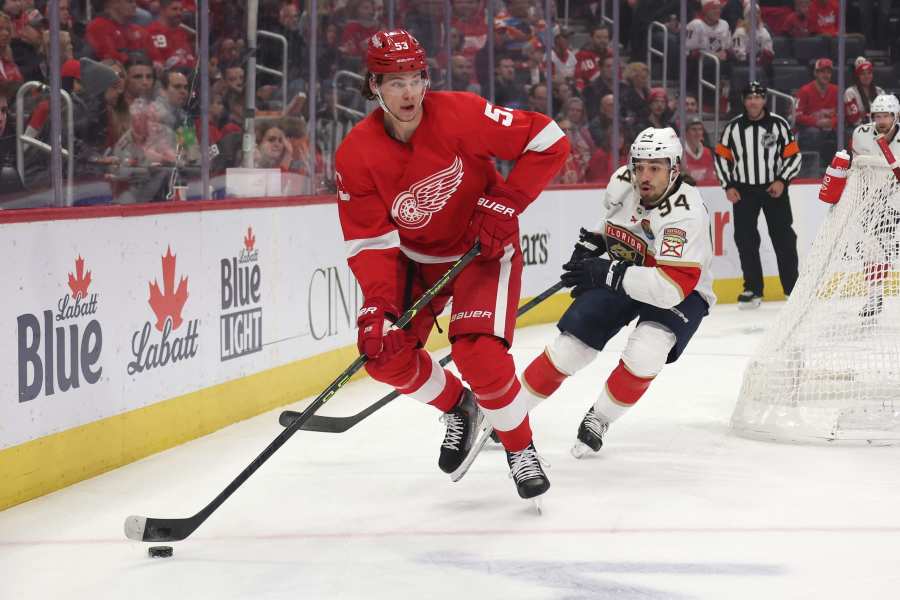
[
  {"x": 658, "y": 143},
  {"x": 885, "y": 103}
]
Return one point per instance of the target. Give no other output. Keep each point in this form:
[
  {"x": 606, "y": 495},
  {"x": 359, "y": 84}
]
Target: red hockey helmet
[{"x": 395, "y": 51}]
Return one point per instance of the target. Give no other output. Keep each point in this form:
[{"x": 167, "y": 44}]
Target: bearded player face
[
  {"x": 883, "y": 122},
  {"x": 651, "y": 178},
  {"x": 403, "y": 93}
]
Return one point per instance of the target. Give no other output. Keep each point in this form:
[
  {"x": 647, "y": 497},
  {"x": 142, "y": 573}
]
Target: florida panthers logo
[{"x": 412, "y": 209}]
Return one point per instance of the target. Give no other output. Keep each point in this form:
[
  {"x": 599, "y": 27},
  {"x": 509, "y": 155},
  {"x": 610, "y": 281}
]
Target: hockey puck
[{"x": 160, "y": 551}]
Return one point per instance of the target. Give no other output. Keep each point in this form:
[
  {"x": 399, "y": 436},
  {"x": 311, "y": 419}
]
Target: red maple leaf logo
[
  {"x": 79, "y": 282},
  {"x": 168, "y": 303},
  {"x": 249, "y": 240}
]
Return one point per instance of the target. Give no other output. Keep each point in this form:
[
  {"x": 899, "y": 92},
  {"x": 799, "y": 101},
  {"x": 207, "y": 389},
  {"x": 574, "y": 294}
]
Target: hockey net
[{"x": 829, "y": 368}]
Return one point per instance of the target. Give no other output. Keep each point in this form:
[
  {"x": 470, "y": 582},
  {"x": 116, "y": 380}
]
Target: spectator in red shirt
[
  {"x": 469, "y": 20},
  {"x": 817, "y": 106},
  {"x": 775, "y": 14},
  {"x": 590, "y": 58},
  {"x": 698, "y": 159},
  {"x": 111, "y": 34},
  {"x": 357, "y": 31},
  {"x": 170, "y": 44},
  {"x": 8, "y": 69},
  {"x": 823, "y": 17},
  {"x": 796, "y": 23}
]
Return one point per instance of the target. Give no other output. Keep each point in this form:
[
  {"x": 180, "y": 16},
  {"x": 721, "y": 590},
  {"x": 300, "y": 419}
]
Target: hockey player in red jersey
[
  {"x": 656, "y": 232},
  {"x": 417, "y": 187}
]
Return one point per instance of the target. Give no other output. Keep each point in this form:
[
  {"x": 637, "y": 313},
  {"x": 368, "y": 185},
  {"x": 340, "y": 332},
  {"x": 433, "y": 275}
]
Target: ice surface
[{"x": 674, "y": 506}]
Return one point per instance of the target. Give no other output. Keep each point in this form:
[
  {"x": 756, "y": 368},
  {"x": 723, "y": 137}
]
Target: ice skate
[
  {"x": 485, "y": 433},
  {"x": 590, "y": 434},
  {"x": 463, "y": 423},
  {"x": 748, "y": 300},
  {"x": 525, "y": 469}
]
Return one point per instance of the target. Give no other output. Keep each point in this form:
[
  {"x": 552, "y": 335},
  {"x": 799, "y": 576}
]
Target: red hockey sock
[
  {"x": 625, "y": 387},
  {"x": 541, "y": 377},
  {"x": 487, "y": 367}
]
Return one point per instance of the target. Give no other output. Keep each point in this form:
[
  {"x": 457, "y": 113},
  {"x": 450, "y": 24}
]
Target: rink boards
[{"x": 127, "y": 331}]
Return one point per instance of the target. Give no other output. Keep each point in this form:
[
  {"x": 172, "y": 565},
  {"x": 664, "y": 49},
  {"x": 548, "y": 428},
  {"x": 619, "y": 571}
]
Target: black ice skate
[
  {"x": 525, "y": 469},
  {"x": 748, "y": 300},
  {"x": 463, "y": 424},
  {"x": 590, "y": 434},
  {"x": 873, "y": 307}
]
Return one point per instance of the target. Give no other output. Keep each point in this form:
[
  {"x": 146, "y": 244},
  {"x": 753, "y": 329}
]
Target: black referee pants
[{"x": 746, "y": 236}]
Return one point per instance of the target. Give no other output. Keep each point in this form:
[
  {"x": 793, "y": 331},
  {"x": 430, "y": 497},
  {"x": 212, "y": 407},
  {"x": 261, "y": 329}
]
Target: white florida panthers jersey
[
  {"x": 864, "y": 144},
  {"x": 669, "y": 244}
]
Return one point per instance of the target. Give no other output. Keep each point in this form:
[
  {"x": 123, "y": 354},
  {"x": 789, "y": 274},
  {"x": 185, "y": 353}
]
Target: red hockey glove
[
  {"x": 375, "y": 338},
  {"x": 495, "y": 221},
  {"x": 835, "y": 178}
]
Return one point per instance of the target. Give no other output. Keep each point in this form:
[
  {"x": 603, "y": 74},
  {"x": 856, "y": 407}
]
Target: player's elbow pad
[{"x": 835, "y": 179}]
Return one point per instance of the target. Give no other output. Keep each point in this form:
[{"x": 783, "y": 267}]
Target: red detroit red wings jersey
[
  {"x": 111, "y": 39},
  {"x": 170, "y": 46},
  {"x": 418, "y": 197}
]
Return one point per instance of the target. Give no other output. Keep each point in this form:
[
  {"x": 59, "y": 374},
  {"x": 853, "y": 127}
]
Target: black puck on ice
[{"x": 159, "y": 551}]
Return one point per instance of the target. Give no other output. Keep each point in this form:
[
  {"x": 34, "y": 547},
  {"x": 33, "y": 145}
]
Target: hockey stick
[
  {"x": 342, "y": 424},
  {"x": 148, "y": 529},
  {"x": 889, "y": 156}
]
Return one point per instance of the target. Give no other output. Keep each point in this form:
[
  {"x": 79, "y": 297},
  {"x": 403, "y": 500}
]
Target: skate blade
[
  {"x": 483, "y": 436},
  {"x": 580, "y": 450},
  {"x": 753, "y": 304},
  {"x": 538, "y": 505}
]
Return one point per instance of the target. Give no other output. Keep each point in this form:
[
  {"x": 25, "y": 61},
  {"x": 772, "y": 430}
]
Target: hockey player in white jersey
[
  {"x": 658, "y": 270},
  {"x": 879, "y": 139}
]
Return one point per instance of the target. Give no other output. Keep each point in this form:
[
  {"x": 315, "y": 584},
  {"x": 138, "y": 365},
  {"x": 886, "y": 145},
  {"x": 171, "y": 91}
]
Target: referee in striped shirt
[{"x": 755, "y": 160}]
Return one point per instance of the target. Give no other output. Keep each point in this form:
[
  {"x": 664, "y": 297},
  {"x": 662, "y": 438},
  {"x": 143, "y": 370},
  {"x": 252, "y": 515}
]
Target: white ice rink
[{"x": 675, "y": 506}]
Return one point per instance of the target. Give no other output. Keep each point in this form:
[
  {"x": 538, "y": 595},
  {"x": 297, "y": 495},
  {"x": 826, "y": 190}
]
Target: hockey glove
[
  {"x": 589, "y": 245},
  {"x": 375, "y": 338},
  {"x": 835, "y": 178},
  {"x": 592, "y": 273},
  {"x": 495, "y": 220}
]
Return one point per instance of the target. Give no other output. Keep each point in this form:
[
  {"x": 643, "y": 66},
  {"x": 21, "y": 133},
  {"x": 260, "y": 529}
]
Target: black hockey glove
[
  {"x": 589, "y": 244},
  {"x": 592, "y": 273}
]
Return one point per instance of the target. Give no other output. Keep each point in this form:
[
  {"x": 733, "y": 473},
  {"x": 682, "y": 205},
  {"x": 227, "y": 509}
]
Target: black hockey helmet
[{"x": 754, "y": 88}]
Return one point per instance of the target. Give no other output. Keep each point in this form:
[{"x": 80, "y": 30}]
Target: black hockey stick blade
[
  {"x": 341, "y": 424},
  {"x": 149, "y": 529}
]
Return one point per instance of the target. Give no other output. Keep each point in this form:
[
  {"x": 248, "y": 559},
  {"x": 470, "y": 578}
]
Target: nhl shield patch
[{"x": 673, "y": 242}]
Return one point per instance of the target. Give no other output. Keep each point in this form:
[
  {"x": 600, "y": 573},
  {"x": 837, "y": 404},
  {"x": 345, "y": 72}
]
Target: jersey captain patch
[
  {"x": 673, "y": 242},
  {"x": 624, "y": 245},
  {"x": 412, "y": 208}
]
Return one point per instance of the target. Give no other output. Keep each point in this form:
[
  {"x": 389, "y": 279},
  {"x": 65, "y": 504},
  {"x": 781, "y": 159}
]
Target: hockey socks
[
  {"x": 623, "y": 390},
  {"x": 541, "y": 378},
  {"x": 487, "y": 367}
]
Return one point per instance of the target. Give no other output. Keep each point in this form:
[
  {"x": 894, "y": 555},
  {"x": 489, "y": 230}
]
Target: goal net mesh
[{"x": 828, "y": 370}]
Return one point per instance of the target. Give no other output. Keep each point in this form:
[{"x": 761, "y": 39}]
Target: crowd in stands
[{"x": 137, "y": 118}]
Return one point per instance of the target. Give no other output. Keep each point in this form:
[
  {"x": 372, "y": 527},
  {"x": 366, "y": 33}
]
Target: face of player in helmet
[
  {"x": 651, "y": 178},
  {"x": 403, "y": 93},
  {"x": 883, "y": 122}
]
